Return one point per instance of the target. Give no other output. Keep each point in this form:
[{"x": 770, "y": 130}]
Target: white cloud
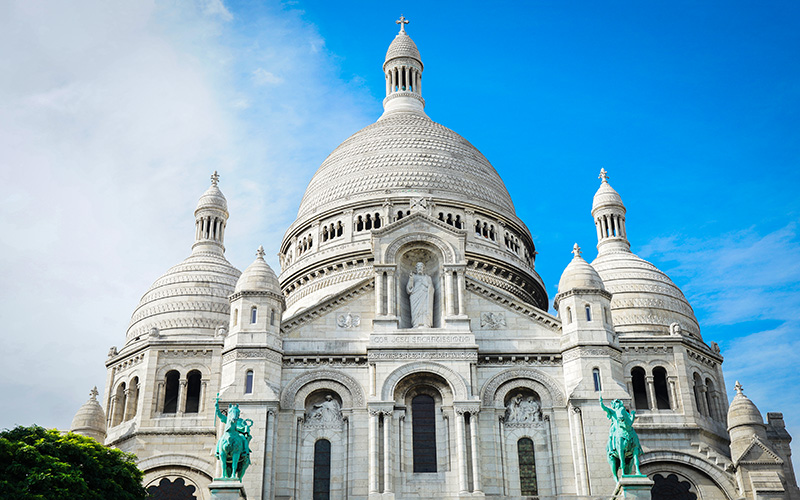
[
  {"x": 114, "y": 117},
  {"x": 264, "y": 77}
]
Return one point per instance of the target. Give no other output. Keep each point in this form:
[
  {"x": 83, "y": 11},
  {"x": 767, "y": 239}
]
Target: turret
[
  {"x": 90, "y": 420},
  {"x": 211, "y": 217},
  {"x": 609, "y": 217}
]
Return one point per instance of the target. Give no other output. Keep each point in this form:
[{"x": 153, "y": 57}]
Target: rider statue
[
  {"x": 623, "y": 444},
  {"x": 233, "y": 448}
]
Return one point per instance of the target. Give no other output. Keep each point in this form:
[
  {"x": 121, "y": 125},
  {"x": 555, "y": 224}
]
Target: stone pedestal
[
  {"x": 227, "y": 489},
  {"x": 633, "y": 488}
]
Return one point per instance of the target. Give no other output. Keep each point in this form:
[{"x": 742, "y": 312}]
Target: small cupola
[
  {"x": 609, "y": 217},
  {"x": 402, "y": 70},
  {"x": 90, "y": 420},
  {"x": 258, "y": 277},
  {"x": 211, "y": 217}
]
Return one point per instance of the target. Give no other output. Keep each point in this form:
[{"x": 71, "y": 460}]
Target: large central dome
[{"x": 400, "y": 153}]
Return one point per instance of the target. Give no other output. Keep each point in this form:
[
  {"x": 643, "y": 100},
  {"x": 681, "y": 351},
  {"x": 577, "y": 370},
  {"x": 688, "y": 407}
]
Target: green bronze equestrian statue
[
  {"x": 233, "y": 448},
  {"x": 623, "y": 444}
]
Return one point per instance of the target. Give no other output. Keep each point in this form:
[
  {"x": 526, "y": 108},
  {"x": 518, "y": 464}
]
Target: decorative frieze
[
  {"x": 406, "y": 339},
  {"x": 335, "y": 361},
  {"x": 436, "y": 355},
  {"x": 517, "y": 359},
  {"x": 588, "y": 352}
]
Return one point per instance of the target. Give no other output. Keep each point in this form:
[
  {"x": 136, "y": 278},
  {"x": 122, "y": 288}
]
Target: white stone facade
[{"x": 325, "y": 351}]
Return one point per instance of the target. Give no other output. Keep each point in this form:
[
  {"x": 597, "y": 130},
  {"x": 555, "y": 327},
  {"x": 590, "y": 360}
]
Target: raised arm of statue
[
  {"x": 221, "y": 415},
  {"x": 609, "y": 411}
]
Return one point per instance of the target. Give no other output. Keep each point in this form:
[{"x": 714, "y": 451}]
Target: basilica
[{"x": 404, "y": 350}]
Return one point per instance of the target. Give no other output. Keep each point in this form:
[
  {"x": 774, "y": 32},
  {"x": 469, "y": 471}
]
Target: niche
[{"x": 406, "y": 265}]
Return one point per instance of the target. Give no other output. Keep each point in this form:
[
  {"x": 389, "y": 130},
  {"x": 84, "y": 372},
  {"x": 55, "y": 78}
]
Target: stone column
[
  {"x": 599, "y": 228},
  {"x": 387, "y": 457},
  {"x": 373, "y": 451},
  {"x": 391, "y": 308},
  {"x": 111, "y": 410},
  {"x": 579, "y": 450},
  {"x": 159, "y": 397},
  {"x": 182, "y": 396},
  {"x": 378, "y": 293},
  {"x": 388, "y": 82},
  {"x": 704, "y": 409},
  {"x": 675, "y": 404},
  {"x": 448, "y": 287},
  {"x": 651, "y": 392},
  {"x": 461, "y": 452},
  {"x": 462, "y": 286},
  {"x": 476, "y": 468},
  {"x": 201, "y": 407}
]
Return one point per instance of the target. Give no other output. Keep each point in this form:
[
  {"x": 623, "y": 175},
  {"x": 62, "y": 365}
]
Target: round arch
[
  {"x": 651, "y": 460},
  {"x": 496, "y": 388},
  {"x": 347, "y": 387},
  {"x": 448, "y": 253},
  {"x": 454, "y": 380}
]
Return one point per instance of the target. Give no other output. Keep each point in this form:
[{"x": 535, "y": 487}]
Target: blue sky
[{"x": 114, "y": 117}]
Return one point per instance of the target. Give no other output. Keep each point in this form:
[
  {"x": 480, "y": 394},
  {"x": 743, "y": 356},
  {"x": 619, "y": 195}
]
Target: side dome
[
  {"x": 644, "y": 299},
  {"x": 579, "y": 274},
  {"x": 742, "y": 411},
  {"x": 400, "y": 153},
  {"x": 258, "y": 277},
  {"x": 90, "y": 420},
  {"x": 191, "y": 298}
]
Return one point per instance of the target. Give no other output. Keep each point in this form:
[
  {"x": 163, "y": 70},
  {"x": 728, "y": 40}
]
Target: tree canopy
[{"x": 41, "y": 464}]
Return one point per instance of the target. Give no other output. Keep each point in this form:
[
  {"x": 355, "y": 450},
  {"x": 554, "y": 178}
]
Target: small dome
[
  {"x": 743, "y": 411},
  {"x": 579, "y": 274},
  {"x": 90, "y": 420},
  {"x": 258, "y": 277},
  {"x": 606, "y": 196},
  {"x": 213, "y": 198},
  {"x": 403, "y": 46}
]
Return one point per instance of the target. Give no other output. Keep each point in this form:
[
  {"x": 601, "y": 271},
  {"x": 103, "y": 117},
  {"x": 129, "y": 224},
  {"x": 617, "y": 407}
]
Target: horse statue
[
  {"x": 233, "y": 448},
  {"x": 623, "y": 444}
]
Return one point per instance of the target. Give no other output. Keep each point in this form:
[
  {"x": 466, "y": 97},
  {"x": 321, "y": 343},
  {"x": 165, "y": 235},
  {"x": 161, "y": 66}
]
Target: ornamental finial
[
  {"x": 738, "y": 388},
  {"x": 260, "y": 252},
  {"x": 214, "y": 178},
  {"x": 93, "y": 393},
  {"x": 603, "y": 175},
  {"x": 576, "y": 250},
  {"x": 402, "y": 22}
]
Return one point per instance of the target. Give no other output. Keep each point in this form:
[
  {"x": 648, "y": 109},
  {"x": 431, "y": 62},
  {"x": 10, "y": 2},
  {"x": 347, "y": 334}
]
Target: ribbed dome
[
  {"x": 403, "y": 46},
  {"x": 258, "y": 277},
  {"x": 579, "y": 274},
  {"x": 213, "y": 198},
  {"x": 743, "y": 411},
  {"x": 90, "y": 420},
  {"x": 644, "y": 298},
  {"x": 189, "y": 299},
  {"x": 400, "y": 153},
  {"x": 606, "y": 196}
]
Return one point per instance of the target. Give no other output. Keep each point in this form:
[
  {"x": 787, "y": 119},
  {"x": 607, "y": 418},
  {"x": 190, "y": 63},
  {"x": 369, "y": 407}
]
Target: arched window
[
  {"x": 253, "y": 314},
  {"x": 697, "y": 396},
  {"x": 360, "y": 224},
  {"x": 588, "y": 313},
  {"x": 598, "y": 386},
  {"x": 193, "y": 384},
  {"x": 248, "y": 382},
  {"x": 171, "y": 391},
  {"x": 639, "y": 388},
  {"x": 710, "y": 398},
  {"x": 119, "y": 406},
  {"x": 376, "y": 221},
  {"x": 172, "y": 490},
  {"x": 133, "y": 399},
  {"x": 322, "y": 470},
  {"x": 423, "y": 415},
  {"x": 527, "y": 468},
  {"x": 235, "y": 317},
  {"x": 671, "y": 488},
  {"x": 272, "y": 317},
  {"x": 661, "y": 388}
]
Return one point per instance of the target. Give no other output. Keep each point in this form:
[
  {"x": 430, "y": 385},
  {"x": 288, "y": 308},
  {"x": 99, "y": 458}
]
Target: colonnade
[
  {"x": 209, "y": 228},
  {"x": 610, "y": 226},
  {"x": 403, "y": 79}
]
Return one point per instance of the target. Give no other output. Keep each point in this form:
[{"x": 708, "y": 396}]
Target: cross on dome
[
  {"x": 603, "y": 175},
  {"x": 738, "y": 388},
  {"x": 402, "y": 22},
  {"x": 260, "y": 252},
  {"x": 214, "y": 178},
  {"x": 576, "y": 250},
  {"x": 93, "y": 393}
]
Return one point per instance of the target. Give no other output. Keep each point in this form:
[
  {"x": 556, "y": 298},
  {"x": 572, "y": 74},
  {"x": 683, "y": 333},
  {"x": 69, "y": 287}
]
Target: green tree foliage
[{"x": 41, "y": 464}]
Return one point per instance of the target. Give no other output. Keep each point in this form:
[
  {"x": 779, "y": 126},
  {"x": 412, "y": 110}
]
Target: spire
[
  {"x": 260, "y": 252},
  {"x": 738, "y": 388},
  {"x": 576, "y": 251},
  {"x": 211, "y": 217},
  {"x": 402, "y": 71},
  {"x": 609, "y": 217}
]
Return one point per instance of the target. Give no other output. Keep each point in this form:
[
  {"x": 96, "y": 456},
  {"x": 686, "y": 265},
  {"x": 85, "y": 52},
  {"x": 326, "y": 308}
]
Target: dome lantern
[
  {"x": 609, "y": 217},
  {"x": 211, "y": 217},
  {"x": 402, "y": 70}
]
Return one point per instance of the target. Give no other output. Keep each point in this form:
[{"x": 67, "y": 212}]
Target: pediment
[
  {"x": 419, "y": 229},
  {"x": 330, "y": 306},
  {"x": 758, "y": 453},
  {"x": 513, "y": 305}
]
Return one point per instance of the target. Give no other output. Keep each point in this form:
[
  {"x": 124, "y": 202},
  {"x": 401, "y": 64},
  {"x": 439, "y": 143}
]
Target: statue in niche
[
  {"x": 523, "y": 411},
  {"x": 327, "y": 411},
  {"x": 420, "y": 297}
]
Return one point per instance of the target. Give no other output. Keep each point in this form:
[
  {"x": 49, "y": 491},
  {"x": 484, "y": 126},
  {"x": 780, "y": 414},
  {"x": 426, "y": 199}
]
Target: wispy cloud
[
  {"x": 113, "y": 119},
  {"x": 264, "y": 77}
]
